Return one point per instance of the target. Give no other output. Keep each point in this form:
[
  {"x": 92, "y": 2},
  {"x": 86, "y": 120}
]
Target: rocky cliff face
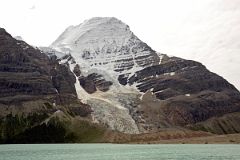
[
  {"x": 27, "y": 71},
  {"x": 34, "y": 91},
  {"x": 168, "y": 91},
  {"x": 185, "y": 93}
]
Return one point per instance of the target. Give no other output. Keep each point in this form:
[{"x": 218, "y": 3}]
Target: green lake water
[{"x": 119, "y": 152}]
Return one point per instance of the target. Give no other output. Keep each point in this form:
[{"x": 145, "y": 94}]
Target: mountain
[
  {"x": 147, "y": 90},
  {"x": 104, "y": 48},
  {"x": 98, "y": 82}
]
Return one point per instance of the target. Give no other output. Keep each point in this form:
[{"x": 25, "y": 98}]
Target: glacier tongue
[{"x": 109, "y": 108}]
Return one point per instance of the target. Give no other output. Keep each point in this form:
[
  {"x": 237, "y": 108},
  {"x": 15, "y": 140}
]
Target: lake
[{"x": 119, "y": 152}]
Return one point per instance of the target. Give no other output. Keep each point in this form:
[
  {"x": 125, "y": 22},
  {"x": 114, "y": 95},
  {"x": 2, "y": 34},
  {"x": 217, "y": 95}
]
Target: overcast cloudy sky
[{"x": 204, "y": 30}]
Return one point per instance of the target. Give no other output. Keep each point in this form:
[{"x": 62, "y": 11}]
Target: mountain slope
[
  {"x": 162, "y": 91},
  {"x": 38, "y": 100}
]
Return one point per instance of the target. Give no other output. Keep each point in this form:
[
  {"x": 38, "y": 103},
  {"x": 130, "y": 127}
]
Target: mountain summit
[{"x": 105, "y": 43}]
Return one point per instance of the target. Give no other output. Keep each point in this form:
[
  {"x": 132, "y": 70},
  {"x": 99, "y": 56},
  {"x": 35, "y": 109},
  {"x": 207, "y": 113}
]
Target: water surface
[{"x": 119, "y": 152}]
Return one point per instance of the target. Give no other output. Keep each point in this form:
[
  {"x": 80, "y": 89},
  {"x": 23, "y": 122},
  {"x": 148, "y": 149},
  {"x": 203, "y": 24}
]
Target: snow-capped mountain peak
[
  {"x": 106, "y": 43},
  {"x": 108, "y": 29}
]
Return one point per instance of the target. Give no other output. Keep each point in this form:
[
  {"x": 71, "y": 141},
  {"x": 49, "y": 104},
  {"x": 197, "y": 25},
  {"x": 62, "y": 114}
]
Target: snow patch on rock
[{"x": 188, "y": 95}]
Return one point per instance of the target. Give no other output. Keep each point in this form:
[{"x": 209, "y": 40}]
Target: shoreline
[{"x": 212, "y": 139}]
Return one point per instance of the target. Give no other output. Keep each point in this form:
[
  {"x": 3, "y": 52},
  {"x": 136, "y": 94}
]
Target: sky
[{"x": 204, "y": 30}]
